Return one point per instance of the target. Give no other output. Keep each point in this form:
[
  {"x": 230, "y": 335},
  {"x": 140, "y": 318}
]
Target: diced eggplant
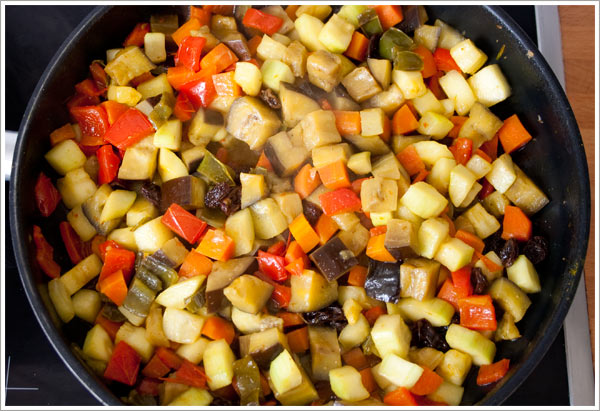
[
  {"x": 419, "y": 278},
  {"x": 251, "y": 121},
  {"x": 222, "y": 274},
  {"x": 237, "y": 43},
  {"x": 341, "y": 100},
  {"x": 414, "y": 17},
  {"x": 383, "y": 281},
  {"x": 324, "y": 351},
  {"x": 93, "y": 206},
  {"x": 324, "y": 69},
  {"x": 284, "y": 155},
  {"x": 187, "y": 191},
  {"x": 128, "y": 64},
  {"x": 401, "y": 239},
  {"x": 205, "y": 124},
  {"x": 295, "y": 104},
  {"x": 333, "y": 259},
  {"x": 361, "y": 84},
  {"x": 172, "y": 253},
  {"x": 192, "y": 157},
  {"x": 264, "y": 346}
]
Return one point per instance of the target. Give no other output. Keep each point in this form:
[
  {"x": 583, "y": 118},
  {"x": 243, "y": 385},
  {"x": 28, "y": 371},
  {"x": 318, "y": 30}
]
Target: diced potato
[
  {"x": 303, "y": 394},
  {"x": 273, "y": 72},
  {"x": 308, "y": 28},
  {"x": 489, "y": 85},
  {"x": 507, "y": 330},
  {"x": 320, "y": 11},
  {"x": 381, "y": 381},
  {"x": 253, "y": 188},
  {"x": 270, "y": 49},
  {"x": 391, "y": 335},
  {"x": 252, "y": 323},
  {"x": 374, "y": 144},
  {"x": 98, "y": 344},
  {"x": 117, "y": 204},
  {"x": 484, "y": 223},
  {"x": 352, "y": 310},
  {"x": 290, "y": 205},
  {"x": 86, "y": 304},
  {"x": 454, "y": 367},
  {"x": 311, "y": 292},
  {"x": 378, "y": 219},
  {"x": 478, "y": 166},
  {"x": 388, "y": 166},
  {"x": 248, "y": 293},
  {"x": 448, "y": 106},
  {"x": 457, "y": 89},
  {"x": 325, "y": 155},
  {"x": 135, "y": 337},
  {"x": 481, "y": 126},
  {"x": 502, "y": 174},
  {"x": 523, "y": 274},
  {"x": 285, "y": 40},
  {"x": 248, "y": 77},
  {"x": 355, "y": 239},
  {"x": 154, "y": 47},
  {"x": 400, "y": 372},
  {"x": 461, "y": 182},
  {"x": 471, "y": 342},
  {"x": 495, "y": 203},
  {"x": 418, "y": 278},
  {"x": 124, "y": 237},
  {"x": 152, "y": 235},
  {"x": 447, "y": 393},
  {"x": 426, "y": 357},
  {"x": 193, "y": 352},
  {"x": 179, "y": 294},
  {"x": 295, "y": 56},
  {"x": 61, "y": 299},
  {"x": 379, "y": 195},
  {"x": 389, "y": 100},
  {"x": 410, "y": 83},
  {"x": 140, "y": 212},
  {"x": 82, "y": 226},
  {"x": 381, "y": 70},
  {"x": 372, "y": 121},
  {"x": 361, "y": 84},
  {"x": 218, "y": 364},
  {"x": 434, "y": 125},
  {"x": 358, "y": 294},
  {"x": 284, "y": 373},
  {"x": 240, "y": 228},
  {"x": 355, "y": 334},
  {"x": 435, "y": 310},
  {"x": 432, "y": 233},
  {"x": 424, "y": 200},
  {"x": 155, "y": 87},
  {"x": 360, "y": 163},
  {"x": 169, "y": 135},
  {"x": 431, "y": 151},
  {"x": 428, "y": 36},
  {"x": 318, "y": 129},
  {"x": 192, "y": 397},
  {"x": 65, "y": 156},
  {"x": 525, "y": 194},
  {"x": 346, "y": 383},
  {"x": 467, "y": 56},
  {"x": 439, "y": 175},
  {"x": 268, "y": 219},
  {"x": 324, "y": 69},
  {"x": 81, "y": 274},
  {"x": 428, "y": 102},
  {"x": 336, "y": 34},
  {"x": 449, "y": 36},
  {"x": 139, "y": 161},
  {"x": 454, "y": 254},
  {"x": 128, "y": 64},
  {"x": 124, "y": 95},
  {"x": 182, "y": 326}
]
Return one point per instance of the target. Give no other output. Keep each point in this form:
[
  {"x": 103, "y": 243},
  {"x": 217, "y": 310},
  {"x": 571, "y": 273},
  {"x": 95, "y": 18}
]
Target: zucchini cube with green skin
[
  {"x": 381, "y": 69},
  {"x": 308, "y": 28},
  {"x": 86, "y": 304},
  {"x": 253, "y": 188},
  {"x": 240, "y": 228},
  {"x": 135, "y": 337},
  {"x": 461, "y": 182},
  {"x": 400, "y": 372},
  {"x": 82, "y": 226},
  {"x": 410, "y": 83},
  {"x": 490, "y": 275},
  {"x": 426, "y": 357},
  {"x": 65, "y": 156},
  {"x": 251, "y": 121},
  {"x": 454, "y": 254},
  {"x": 152, "y": 235},
  {"x": 284, "y": 373},
  {"x": 418, "y": 278},
  {"x": 192, "y": 397},
  {"x": 510, "y": 297},
  {"x": 489, "y": 85},
  {"x": 525, "y": 194},
  {"x": 424, "y": 200},
  {"x": 428, "y": 36},
  {"x": 75, "y": 187},
  {"x": 428, "y": 102},
  {"x": 346, "y": 383},
  {"x": 372, "y": 121},
  {"x": 324, "y": 351},
  {"x": 467, "y": 56},
  {"x": 471, "y": 342},
  {"x": 434, "y": 125},
  {"x": 360, "y": 163},
  {"x": 361, "y": 85},
  {"x": 432, "y": 151},
  {"x": 523, "y": 273},
  {"x": 379, "y": 195},
  {"x": 178, "y": 295},
  {"x": 274, "y": 72},
  {"x": 248, "y": 293},
  {"x": 117, "y": 204},
  {"x": 391, "y": 335},
  {"x": 311, "y": 292},
  {"x": 351, "y": 12},
  {"x": 98, "y": 344},
  {"x": 454, "y": 367},
  {"x": 484, "y": 223},
  {"x": 294, "y": 104},
  {"x": 285, "y": 156},
  {"x": 318, "y": 129},
  {"x": 218, "y": 364},
  {"x": 495, "y": 203},
  {"x": 355, "y": 334},
  {"x": 447, "y": 393},
  {"x": 432, "y": 233},
  {"x": 248, "y": 77},
  {"x": 457, "y": 89},
  {"x": 268, "y": 219},
  {"x": 481, "y": 126},
  {"x": 435, "y": 310},
  {"x": 439, "y": 175},
  {"x": 336, "y": 34},
  {"x": 169, "y": 135},
  {"x": 269, "y": 49}
]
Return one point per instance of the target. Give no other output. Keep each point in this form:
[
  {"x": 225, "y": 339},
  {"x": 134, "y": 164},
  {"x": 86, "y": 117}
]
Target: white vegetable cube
[
  {"x": 391, "y": 335},
  {"x": 457, "y": 89},
  {"x": 270, "y": 49},
  {"x": 248, "y": 77},
  {"x": 523, "y": 274},
  {"x": 308, "y": 28},
  {"x": 428, "y": 36},
  {"x": 400, "y": 372},
  {"x": 218, "y": 364},
  {"x": 372, "y": 121},
  {"x": 431, "y": 151},
  {"x": 336, "y": 34},
  {"x": 284, "y": 373},
  {"x": 355, "y": 334},
  {"x": 98, "y": 344},
  {"x": 75, "y": 187},
  {"x": 124, "y": 95},
  {"x": 428, "y": 102},
  {"x": 434, "y": 125},
  {"x": 489, "y": 85},
  {"x": 449, "y": 36},
  {"x": 502, "y": 175},
  {"x": 388, "y": 166},
  {"x": 182, "y": 326},
  {"x": 117, "y": 204},
  {"x": 475, "y": 189},
  {"x": 152, "y": 235},
  {"x": 169, "y": 135},
  {"x": 192, "y": 397},
  {"x": 65, "y": 156},
  {"x": 447, "y": 393},
  {"x": 170, "y": 166},
  {"x": 346, "y": 383},
  {"x": 454, "y": 254},
  {"x": 490, "y": 275},
  {"x": 481, "y": 126},
  {"x": 141, "y": 211},
  {"x": 461, "y": 181},
  {"x": 360, "y": 163},
  {"x": 439, "y": 175},
  {"x": 478, "y": 166},
  {"x": 467, "y": 56},
  {"x": 352, "y": 310},
  {"x": 274, "y": 72},
  {"x": 496, "y": 203},
  {"x": 124, "y": 237},
  {"x": 455, "y": 366},
  {"x": 424, "y": 200},
  {"x": 484, "y": 223},
  {"x": 432, "y": 234},
  {"x": 178, "y": 295},
  {"x": 193, "y": 352},
  {"x": 471, "y": 342},
  {"x": 410, "y": 83},
  {"x": 448, "y": 105},
  {"x": 154, "y": 47},
  {"x": 378, "y": 219},
  {"x": 135, "y": 337},
  {"x": 379, "y": 195}
]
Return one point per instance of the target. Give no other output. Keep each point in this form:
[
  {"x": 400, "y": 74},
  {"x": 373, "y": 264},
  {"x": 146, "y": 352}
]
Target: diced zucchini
[
  {"x": 489, "y": 85},
  {"x": 155, "y": 87},
  {"x": 218, "y": 364},
  {"x": 431, "y": 151},
  {"x": 336, "y": 34},
  {"x": 98, "y": 344},
  {"x": 361, "y": 84},
  {"x": 484, "y": 223},
  {"x": 152, "y": 235},
  {"x": 193, "y": 352},
  {"x": 346, "y": 383},
  {"x": 471, "y": 342},
  {"x": 467, "y": 56},
  {"x": 192, "y": 397},
  {"x": 481, "y": 126},
  {"x": 437, "y": 311},
  {"x": 311, "y": 292},
  {"x": 428, "y": 36},
  {"x": 355, "y": 334},
  {"x": 454, "y": 254},
  {"x": 428, "y": 102},
  {"x": 324, "y": 69},
  {"x": 400, "y": 372},
  {"x": 169, "y": 135},
  {"x": 252, "y": 323},
  {"x": 510, "y": 297},
  {"x": 182, "y": 326},
  {"x": 139, "y": 161},
  {"x": 135, "y": 337},
  {"x": 439, "y": 175},
  {"x": 490, "y": 275},
  {"x": 154, "y": 47},
  {"x": 360, "y": 163},
  {"x": 454, "y": 367},
  {"x": 523, "y": 273},
  {"x": 141, "y": 211},
  {"x": 308, "y": 28},
  {"x": 81, "y": 274},
  {"x": 461, "y": 182},
  {"x": 432, "y": 233},
  {"x": 117, "y": 204},
  {"x": 318, "y": 129},
  {"x": 418, "y": 278},
  {"x": 124, "y": 95},
  {"x": 379, "y": 195},
  {"x": 352, "y": 310},
  {"x": 128, "y": 64},
  {"x": 447, "y": 393},
  {"x": 391, "y": 335},
  {"x": 86, "y": 304},
  {"x": 324, "y": 351},
  {"x": 410, "y": 83},
  {"x": 268, "y": 219},
  {"x": 274, "y": 72},
  {"x": 61, "y": 299},
  {"x": 75, "y": 187},
  {"x": 240, "y": 228},
  {"x": 434, "y": 125},
  {"x": 457, "y": 89},
  {"x": 65, "y": 156},
  {"x": 449, "y": 36},
  {"x": 251, "y": 121},
  {"x": 525, "y": 194},
  {"x": 178, "y": 295},
  {"x": 426, "y": 357},
  {"x": 81, "y": 224},
  {"x": 424, "y": 200}
]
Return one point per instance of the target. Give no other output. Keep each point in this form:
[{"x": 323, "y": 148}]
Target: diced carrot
[
  {"x": 372, "y": 314},
  {"x": 379, "y": 230},
  {"x": 492, "y": 266},
  {"x": 400, "y": 396},
  {"x": 290, "y": 319},
  {"x": 427, "y": 383},
  {"x": 217, "y": 328},
  {"x": 355, "y": 358},
  {"x": 195, "y": 264},
  {"x": 483, "y": 155},
  {"x": 111, "y": 327},
  {"x": 461, "y": 279},
  {"x": 458, "y": 122},
  {"x": 179, "y": 75},
  {"x": 219, "y": 58},
  {"x": 185, "y": 30},
  {"x": 225, "y": 85},
  {"x": 96, "y": 241},
  {"x": 253, "y": 44},
  {"x": 335, "y": 175},
  {"x": 136, "y": 37},
  {"x": 325, "y": 228},
  {"x": 389, "y": 15},
  {"x": 420, "y": 176},
  {"x": 368, "y": 380},
  {"x": 433, "y": 84},
  {"x": 264, "y": 162},
  {"x": 491, "y": 147},
  {"x": 448, "y": 293},
  {"x": 489, "y": 373},
  {"x": 298, "y": 340},
  {"x": 404, "y": 121},
  {"x": 294, "y": 252},
  {"x": 114, "y": 287},
  {"x": 347, "y": 122},
  {"x": 387, "y": 129},
  {"x": 201, "y": 14},
  {"x": 217, "y": 245},
  {"x": 377, "y": 251},
  {"x": 471, "y": 240},
  {"x": 291, "y": 9},
  {"x": 512, "y": 134},
  {"x": 357, "y": 276},
  {"x": 306, "y": 181},
  {"x": 429, "y": 67},
  {"x": 515, "y": 224},
  {"x": 410, "y": 160},
  {"x": 63, "y": 133},
  {"x": 296, "y": 267},
  {"x": 444, "y": 61},
  {"x": 358, "y": 47},
  {"x": 303, "y": 233}
]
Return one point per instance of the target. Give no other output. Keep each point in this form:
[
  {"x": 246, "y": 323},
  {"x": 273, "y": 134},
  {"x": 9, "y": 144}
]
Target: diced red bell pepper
[
  {"x": 149, "y": 386},
  {"x": 123, "y": 365},
  {"x": 89, "y": 87},
  {"x": 155, "y": 368},
  {"x": 189, "y": 374},
  {"x": 44, "y": 254},
  {"x": 189, "y": 52},
  {"x": 264, "y": 22},
  {"x": 111, "y": 327},
  {"x": 342, "y": 200},
  {"x": 400, "y": 396},
  {"x": 116, "y": 259},
  {"x": 108, "y": 163},
  {"x": 294, "y": 252},
  {"x": 491, "y": 147},
  {"x": 462, "y": 150},
  {"x": 136, "y": 37},
  {"x": 448, "y": 293},
  {"x": 72, "y": 242},
  {"x": 272, "y": 265},
  {"x": 486, "y": 188},
  {"x": 131, "y": 127},
  {"x": 81, "y": 100},
  {"x": 184, "y": 109},
  {"x": 277, "y": 249},
  {"x": 444, "y": 61},
  {"x": 47, "y": 196},
  {"x": 282, "y": 295},
  {"x": 183, "y": 223},
  {"x": 105, "y": 246},
  {"x": 171, "y": 359},
  {"x": 477, "y": 312},
  {"x": 98, "y": 74},
  {"x": 462, "y": 282},
  {"x": 200, "y": 92},
  {"x": 92, "y": 120},
  {"x": 493, "y": 372}
]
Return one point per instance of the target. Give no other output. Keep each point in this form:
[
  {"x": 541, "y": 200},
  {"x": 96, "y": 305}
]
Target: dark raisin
[
  {"x": 365, "y": 221},
  {"x": 331, "y": 316},
  {"x": 536, "y": 249},
  {"x": 478, "y": 281},
  {"x": 311, "y": 212},
  {"x": 426, "y": 335},
  {"x": 151, "y": 192},
  {"x": 270, "y": 98},
  {"x": 455, "y": 318},
  {"x": 494, "y": 243},
  {"x": 325, "y": 392},
  {"x": 509, "y": 253},
  {"x": 224, "y": 197}
]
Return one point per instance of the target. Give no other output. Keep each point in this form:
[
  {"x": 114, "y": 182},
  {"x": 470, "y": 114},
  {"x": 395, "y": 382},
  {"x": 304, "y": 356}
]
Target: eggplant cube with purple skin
[{"x": 333, "y": 259}]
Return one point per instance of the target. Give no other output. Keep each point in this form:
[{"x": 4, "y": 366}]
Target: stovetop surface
[{"x": 35, "y": 374}]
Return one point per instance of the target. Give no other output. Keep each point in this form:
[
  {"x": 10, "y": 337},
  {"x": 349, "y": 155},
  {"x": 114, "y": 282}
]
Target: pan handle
[{"x": 10, "y": 139}]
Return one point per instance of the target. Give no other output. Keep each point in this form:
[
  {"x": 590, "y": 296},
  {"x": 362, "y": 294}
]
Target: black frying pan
[{"x": 555, "y": 160}]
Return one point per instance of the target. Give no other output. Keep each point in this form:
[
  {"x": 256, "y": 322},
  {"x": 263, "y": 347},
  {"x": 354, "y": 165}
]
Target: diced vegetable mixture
[{"x": 292, "y": 205}]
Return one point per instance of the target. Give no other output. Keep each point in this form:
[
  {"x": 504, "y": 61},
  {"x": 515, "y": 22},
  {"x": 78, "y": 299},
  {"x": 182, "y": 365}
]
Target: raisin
[
  {"x": 311, "y": 212},
  {"x": 509, "y": 253},
  {"x": 331, "y": 316},
  {"x": 536, "y": 249},
  {"x": 325, "y": 392},
  {"x": 270, "y": 98},
  {"x": 224, "y": 197},
  {"x": 151, "y": 192},
  {"x": 478, "y": 281},
  {"x": 494, "y": 243},
  {"x": 426, "y": 335}
]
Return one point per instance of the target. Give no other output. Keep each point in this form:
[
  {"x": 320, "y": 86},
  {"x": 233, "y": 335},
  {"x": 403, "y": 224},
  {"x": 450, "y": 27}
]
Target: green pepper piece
[
  {"x": 167, "y": 275},
  {"x": 215, "y": 171},
  {"x": 369, "y": 22},
  {"x": 212, "y": 216},
  {"x": 406, "y": 60},
  {"x": 162, "y": 110},
  {"x": 247, "y": 377},
  {"x": 394, "y": 37},
  {"x": 197, "y": 301},
  {"x": 139, "y": 298}
]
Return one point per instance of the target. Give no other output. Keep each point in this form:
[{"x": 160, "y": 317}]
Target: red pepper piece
[
  {"x": 264, "y": 22},
  {"x": 342, "y": 200},
  {"x": 277, "y": 249},
  {"x": 89, "y": 87},
  {"x": 44, "y": 254},
  {"x": 116, "y": 259},
  {"x": 136, "y": 37},
  {"x": 200, "y": 92},
  {"x": 99, "y": 75},
  {"x": 80, "y": 100},
  {"x": 272, "y": 265},
  {"x": 486, "y": 188},
  {"x": 73, "y": 243},
  {"x": 477, "y": 312},
  {"x": 189, "y": 374},
  {"x": 92, "y": 120},
  {"x": 184, "y": 109},
  {"x": 155, "y": 368},
  {"x": 492, "y": 372},
  {"x": 105, "y": 246},
  {"x": 47, "y": 196},
  {"x": 131, "y": 127},
  {"x": 167, "y": 356},
  {"x": 444, "y": 61},
  {"x": 461, "y": 279},
  {"x": 189, "y": 52},
  {"x": 183, "y": 223},
  {"x": 123, "y": 365},
  {"x": 462, "y": 150},
  {"x": 108, "y": 164}
]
